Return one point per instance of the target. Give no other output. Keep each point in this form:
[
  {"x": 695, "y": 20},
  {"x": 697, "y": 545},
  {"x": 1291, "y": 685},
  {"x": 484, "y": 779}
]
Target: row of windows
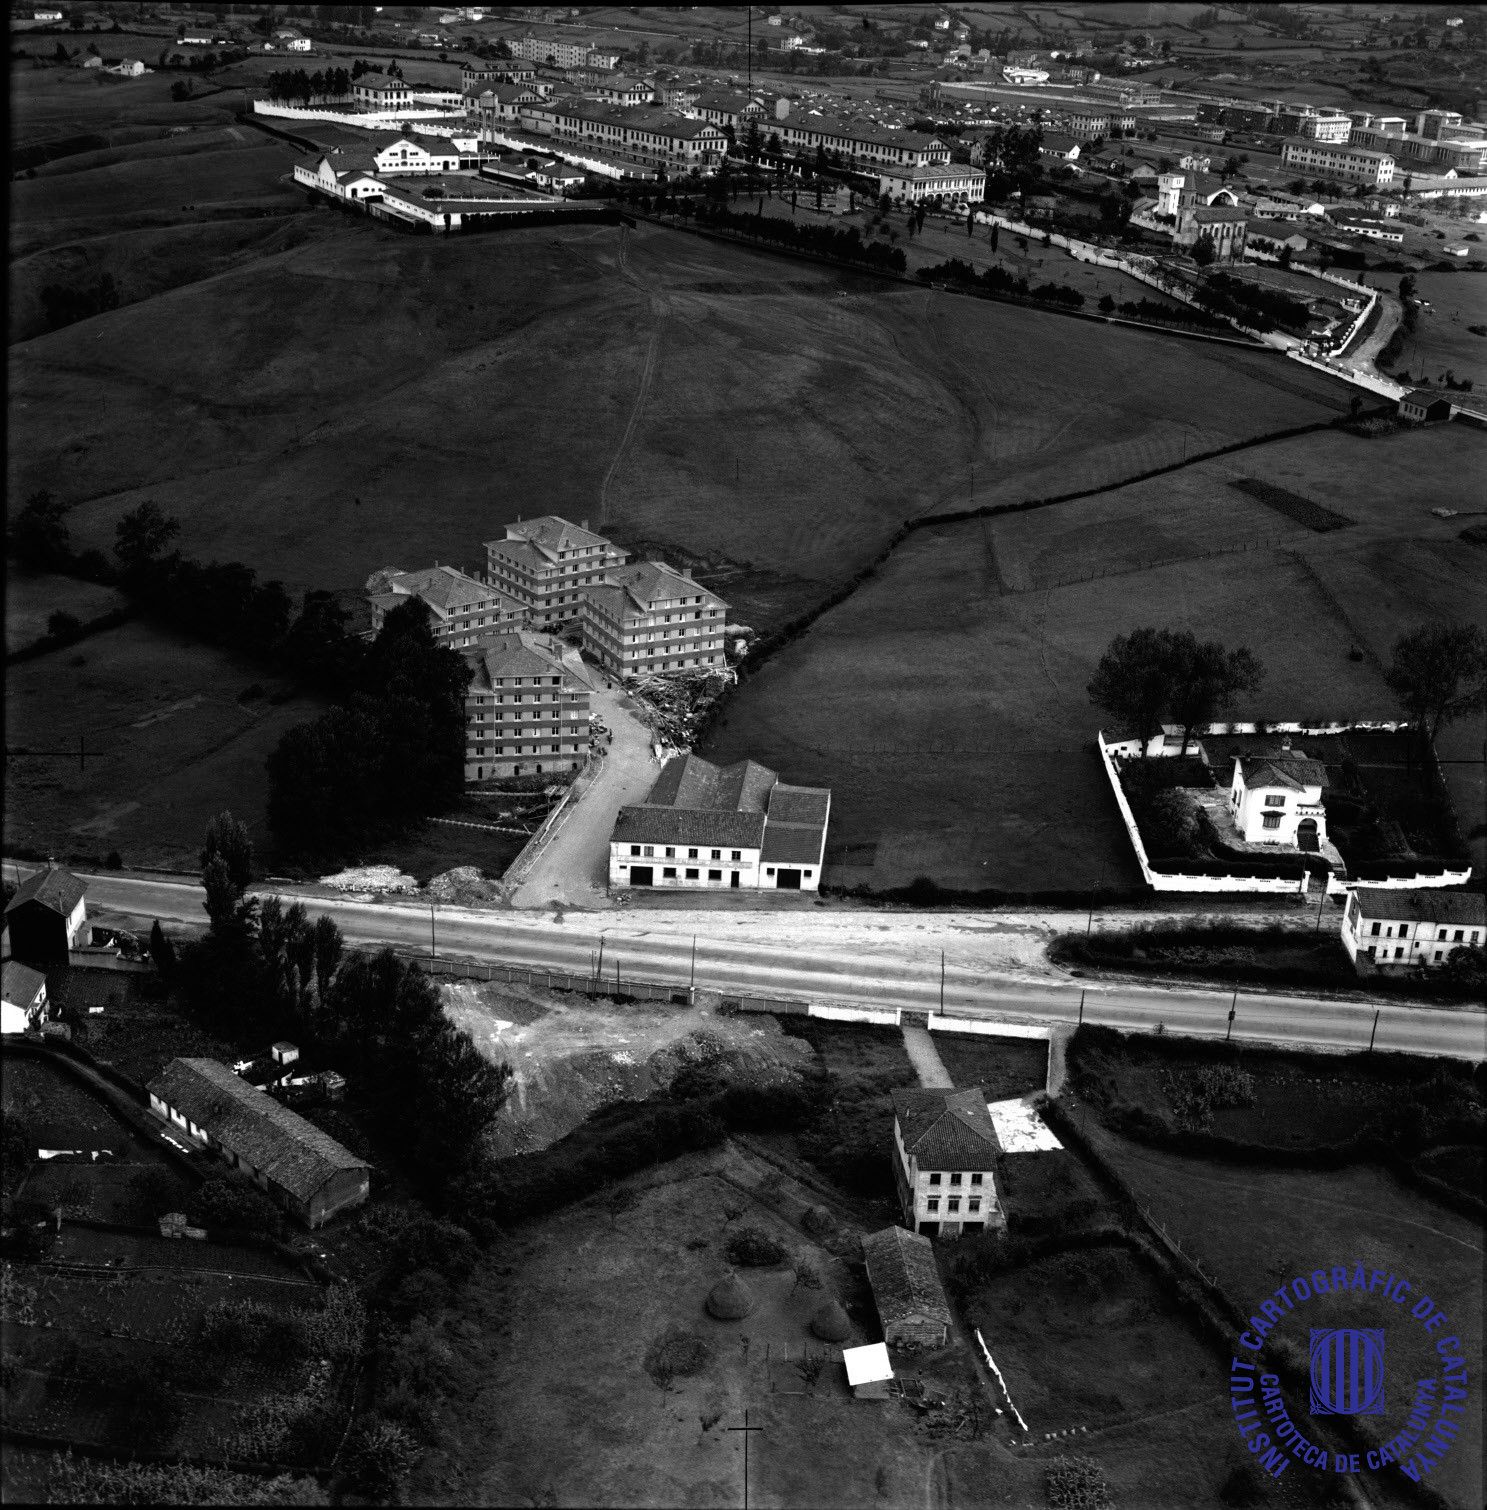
[
  {"x": 955, "y": 1179},
  {"x": 692, "y": 854},
  {"x": 668, "y": 873},
  {"x": 952, "y": 1203},
  {"x": 553, "y": 749},
  {"x": 1440, "y": 933}
]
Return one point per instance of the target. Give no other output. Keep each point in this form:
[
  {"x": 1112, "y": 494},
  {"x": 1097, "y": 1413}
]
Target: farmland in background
[{"x": 944, "y": 702}]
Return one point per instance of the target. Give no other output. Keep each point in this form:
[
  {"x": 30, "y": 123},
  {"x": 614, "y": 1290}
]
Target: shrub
[
  {"x": 749, "y": 1247},
  {"x": 676, "y": 1353},
  {"x": 1076, "y": 1484},
  {"x": 227, "y": 1200},
  {"x": 383, "y": 1455}
]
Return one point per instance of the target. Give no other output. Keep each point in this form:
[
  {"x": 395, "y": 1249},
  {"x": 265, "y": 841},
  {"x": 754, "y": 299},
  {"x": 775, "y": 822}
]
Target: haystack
[
  {"x": 730, "y": 1299},
  {"x": 830, "y": 1322}
]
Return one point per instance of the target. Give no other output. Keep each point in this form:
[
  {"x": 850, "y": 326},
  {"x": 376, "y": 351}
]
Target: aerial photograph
[{"x": 746, "y": 756}]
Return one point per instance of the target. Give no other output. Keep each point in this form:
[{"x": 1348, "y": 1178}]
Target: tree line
[
  {"x": 845, "y": 245},
  {"x": 1261, "y": 309},
  {"x": 997, "y": 280}
]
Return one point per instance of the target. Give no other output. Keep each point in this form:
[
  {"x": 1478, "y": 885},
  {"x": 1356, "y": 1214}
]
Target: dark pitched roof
[
  {"x": 1285, "y": 770},
  {"x": 901, "y": 1270},
  {"x": 947, "y": 1129},
  {"x": 1427, "y": 904},
  {"x": 796, "y": 831},
  {"x": 689, "y": 781},
  {"x": 290, "y": 1151},
  {"x": 57, "y": 889},
  {"x": 669, "y": 825},
  {"x": 21, "y": 984}
]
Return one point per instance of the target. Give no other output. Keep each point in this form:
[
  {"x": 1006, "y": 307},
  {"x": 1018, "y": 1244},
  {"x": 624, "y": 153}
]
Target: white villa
[{"x": 1279, "y": 800}]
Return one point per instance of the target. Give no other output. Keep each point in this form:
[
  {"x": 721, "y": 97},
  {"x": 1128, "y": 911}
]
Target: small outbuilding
[
  {"x": 906, "y": 1286},
  {"x": 24, "y": 1004},
  {"x": 47, "y": 917},
  {"x": 1422, "y": 406}
]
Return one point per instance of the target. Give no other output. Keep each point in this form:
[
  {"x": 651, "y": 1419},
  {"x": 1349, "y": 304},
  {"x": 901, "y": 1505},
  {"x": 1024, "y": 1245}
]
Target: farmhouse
[
  {"x": 544, "y": 563},
  {"x": 1058, "y": 145},
  {"x": 527, "y": 707},
  {"x": 1279, "y": 800},
  {"x": 948, "y": 181},
  {"x": 707, "y": 827},
  {"x": 125, "y": 68},
  {"x": 649, "y": 617},
  {"x": 946, "y": 1149},
  {"x": 23, "y": 1002},
  {"x": 461, "y": 609},
  {"x": 47, "y": 917},
  {"x": 1385, "y": 928},
  {"x": 906, "y": 1287},
  {"x": 303, "y": 1169},
  {"x": 1421, "y": 406}
]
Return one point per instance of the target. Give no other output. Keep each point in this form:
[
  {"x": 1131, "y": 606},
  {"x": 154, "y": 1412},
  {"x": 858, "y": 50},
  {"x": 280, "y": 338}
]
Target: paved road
[
  {"x": 823, "y": 973},
  {"x": 573, "y": 868}
]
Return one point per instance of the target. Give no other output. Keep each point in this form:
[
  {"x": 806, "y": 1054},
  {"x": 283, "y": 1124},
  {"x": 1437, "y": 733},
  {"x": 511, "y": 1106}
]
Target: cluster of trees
[
  {"x": 264, "y": 971},
  {"x": 295, "y": 84},
  {"x": 846, "y": 245},
  {"x": 64, "y": 304},
  {"x": 388, "y": 755},
  {"x": 998, "y": 281},
  {"x": 1261, "y": 309}
]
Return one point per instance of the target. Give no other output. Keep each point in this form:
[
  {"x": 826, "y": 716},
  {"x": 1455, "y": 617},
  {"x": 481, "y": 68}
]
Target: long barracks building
[{"x": 862, "y": 146}]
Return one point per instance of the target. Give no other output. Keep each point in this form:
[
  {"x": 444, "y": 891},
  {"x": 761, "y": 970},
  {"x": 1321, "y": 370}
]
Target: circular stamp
[{"x": 1374, "y": 1347}]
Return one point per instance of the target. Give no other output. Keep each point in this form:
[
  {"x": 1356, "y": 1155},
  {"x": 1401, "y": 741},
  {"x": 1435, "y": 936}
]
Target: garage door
[
  {"x": 788, "y": 880},
  {"x": 641, "y": 875}
]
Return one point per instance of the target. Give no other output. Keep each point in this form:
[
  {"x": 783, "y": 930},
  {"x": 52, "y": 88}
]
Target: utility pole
[
  {"x": 1081, "y": 1008},
  {"x": 1320, "y": 905},
  {"x": 433, "y": 936},
  {"x": 692, "y": 986},
  {"x": 1233, "y": 1007},
  {"x": 1374, "y": 1029},
  {"x": 942, "y": 982}
]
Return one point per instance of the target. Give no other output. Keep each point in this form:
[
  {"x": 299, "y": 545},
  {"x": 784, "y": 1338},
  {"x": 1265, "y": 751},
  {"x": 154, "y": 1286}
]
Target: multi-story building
[
  {"x": 381, "y": 94},
  {"x": 548, "y": 565},
  {"x": 561, "y": 53},
  {"x": 1385, "y": 928},
  {"x": 461, "y": 609},
  {"x": 721, "y": 828},
  {"x": 1279, "y": 800},
  {"x": 1468, "y": 155},
  {"x": 1084, "y": 123},
  {"x": 862, "y": 146},
  {"x": 527, "y": 709},
  {"x": 650, "y": 617},
  {"x": 475, "y": 77},
  {"x": 638, "y": 131},
  {"x": 948, "y": 181},
  {"x": 734, "y": 110},
  {"x": 621, "y": 91},
  {"x": 1352, "y": 164},
  {"x": 946, "y": 1149}
]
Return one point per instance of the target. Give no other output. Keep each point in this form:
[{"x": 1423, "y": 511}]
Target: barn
[
  {"x": 906, "y": 1286},
  {"x": 46, "y": 917},
  {"x": 302, "y": 1168}
]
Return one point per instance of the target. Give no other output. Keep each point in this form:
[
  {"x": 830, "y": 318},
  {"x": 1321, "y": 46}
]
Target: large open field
[
  {"x": 945, "y": 703},
  {"x": 369, "y": 398},
  {"x": 173, "y": 732}
]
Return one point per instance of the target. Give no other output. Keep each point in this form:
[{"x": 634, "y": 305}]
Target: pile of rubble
[
  {"x": 674, "y": 705},
  {"x": 371, "y": 878},
  {"x": 464, "y": 885}
]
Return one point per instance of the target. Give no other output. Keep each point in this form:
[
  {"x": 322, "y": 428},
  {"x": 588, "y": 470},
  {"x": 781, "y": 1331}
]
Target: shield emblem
[{"x": 1347, "y": 1371}]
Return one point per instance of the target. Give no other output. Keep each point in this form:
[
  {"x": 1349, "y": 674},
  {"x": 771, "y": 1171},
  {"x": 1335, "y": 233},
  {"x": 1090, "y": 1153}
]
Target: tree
[
  {"x": 1203, "y": 252},
  {"x": 1107, "y": 305},
  {"x": 1208, "y": 680},
  {"x": 226, "y": 869},
  {"x": 163, "y": 952},
  {"x": 1439, "y": 674},
  {"x": 142, "y": 534},
  {"x": 38, "y": 537},
  {"x": 1133, "y": 682}
]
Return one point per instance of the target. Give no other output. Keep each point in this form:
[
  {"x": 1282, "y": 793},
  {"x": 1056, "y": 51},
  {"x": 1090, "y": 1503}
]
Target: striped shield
[{"x": 1347, "y": 1371}]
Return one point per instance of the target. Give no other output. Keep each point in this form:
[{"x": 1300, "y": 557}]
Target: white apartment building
[
  {"x": 650, "y": 617},
  {"x": 1388, "y": 928},
  {"x": 721, "y": 828},
  {"x": 1353, "y": 164},
  {"x": 561, "y": 53},
  {"x": 949, "y": 181},
  {"x": 527, "y": 708},
  {"x": 462, "y": 610},
  {"x": 548, "y": 565}
]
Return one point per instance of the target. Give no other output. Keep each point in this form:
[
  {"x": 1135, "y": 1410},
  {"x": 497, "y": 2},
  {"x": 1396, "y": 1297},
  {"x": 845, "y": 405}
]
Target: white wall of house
[
  {"x": 684, "y": 867},
  {"x": 1274, "y": 814},
  {"x": 1385, "y": 942},
  {"x": 949, "y": 1198}
]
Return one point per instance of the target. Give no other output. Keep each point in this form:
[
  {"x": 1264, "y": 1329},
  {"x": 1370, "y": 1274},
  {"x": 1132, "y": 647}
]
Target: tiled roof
[
  {"x": 882, "y": 136},
  {"x": 287, "y": 1149},
  {"x": 901, "y": 1270},
  {"x": 56, "y": 889},
  {"x": 442, "y": 586},
  {"x": 1290, "y": 772},
  {"x": 690, "y": 781},
  {"x": 513, "y": 653},
  {"x": 1430, "y": 904},
  {"x": 550, "y": 533},
  {"x": 1210, "y": 214},
  {"x": 672, "y": 825},
  {"x": 651, "y": 581},
  {"x": 947, "y": 1129},
  {"x": 796, "y": 832},
  {"x": 21, "y": 984},
  {"x": 1424, "y": 397}
]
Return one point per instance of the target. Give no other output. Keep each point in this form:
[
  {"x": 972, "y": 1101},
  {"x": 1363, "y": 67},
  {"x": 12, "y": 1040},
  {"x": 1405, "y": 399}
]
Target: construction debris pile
[{"x": 674, "y": 705}]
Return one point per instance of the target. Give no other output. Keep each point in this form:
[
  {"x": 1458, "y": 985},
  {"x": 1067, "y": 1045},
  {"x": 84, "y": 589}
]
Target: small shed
[
  {"x": 46, "y": 917},
  {"x": 869, "y": 1373},
  {"x": 906, "y": 1286},
  {"x": 24, "y": 995},
  {"x": 1422, "y": 406}
]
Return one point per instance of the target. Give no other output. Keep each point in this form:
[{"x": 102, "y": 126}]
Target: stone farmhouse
[
  {"x": 707, "y": 827},
  {"x": 547, "y": 564},
  {"x": 462, "y": 609},
  {"x": 47, "y": 917},
  {"x": 527, "y": 708},
  {"x": 1388, "y": 929},
  {"x": 946, "y": 1150},
  {"x": 303, "y": 1170},
  {"x": 906, "y": 1287}
]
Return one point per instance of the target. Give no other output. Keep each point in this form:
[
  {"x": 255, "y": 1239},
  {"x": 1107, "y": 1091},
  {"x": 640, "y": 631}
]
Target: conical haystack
[
  {"x": 830, "y": 1322},
  {"x": 730, "y": 1299}
]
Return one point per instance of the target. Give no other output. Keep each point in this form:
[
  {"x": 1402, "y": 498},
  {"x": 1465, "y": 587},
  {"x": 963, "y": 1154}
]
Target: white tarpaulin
[
  {"x": 867, "y": 1365},
  {"x": 1019, "y": 1128}
]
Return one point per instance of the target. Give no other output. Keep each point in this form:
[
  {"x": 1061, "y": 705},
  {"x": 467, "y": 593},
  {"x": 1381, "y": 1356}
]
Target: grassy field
[
  {"x": 174, "y": 732},
  {"x": 944, "y": 701},
  {"x": 1441, "y": 340},
  {"x": 1002, "y": 1067},
  {"x": 1252, "y": 1228},
  {"x": 740, "y": 412},
  {"x": 31, "y": 598}
]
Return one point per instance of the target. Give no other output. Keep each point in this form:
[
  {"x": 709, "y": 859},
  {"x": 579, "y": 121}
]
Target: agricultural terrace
[
  {"x": 945, "y": 702},
  {"x": 764, "y": 420}
]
